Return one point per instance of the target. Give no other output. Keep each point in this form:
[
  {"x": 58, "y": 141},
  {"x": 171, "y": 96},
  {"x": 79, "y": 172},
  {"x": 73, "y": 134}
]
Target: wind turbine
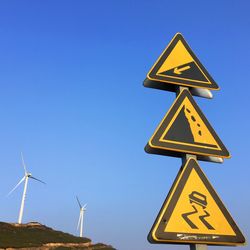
[
  {"x": 26, "y": 177},
  {"x": 80, "y": 221}
]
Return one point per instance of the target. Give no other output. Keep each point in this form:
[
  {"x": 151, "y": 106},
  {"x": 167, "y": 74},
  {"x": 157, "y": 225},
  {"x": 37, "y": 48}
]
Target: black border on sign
[
  {"x": 159, "y": 82},
  {"x": 157, "y": 234},
  {"x": 155, "y": 146}
]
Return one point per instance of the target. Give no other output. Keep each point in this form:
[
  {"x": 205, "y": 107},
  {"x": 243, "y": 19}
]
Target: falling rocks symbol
[
  {"x": 185, "y": 129},
  {"x": 180, "y": 130}
]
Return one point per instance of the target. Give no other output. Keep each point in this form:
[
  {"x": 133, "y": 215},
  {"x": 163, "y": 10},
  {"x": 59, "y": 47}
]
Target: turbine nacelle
[{"x": 83, "y": 208}]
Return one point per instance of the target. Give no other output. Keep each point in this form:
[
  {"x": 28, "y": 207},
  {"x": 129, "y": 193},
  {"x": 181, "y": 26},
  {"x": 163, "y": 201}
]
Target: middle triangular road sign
[
  {"x": 184, "y": 130},
  {"x": 193, "y": 213}
]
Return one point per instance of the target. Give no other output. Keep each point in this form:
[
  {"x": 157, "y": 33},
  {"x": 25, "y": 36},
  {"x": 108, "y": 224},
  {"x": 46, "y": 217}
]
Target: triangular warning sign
[
  {"x": 193, "y": 213},
  {"x": 185, "y": 129},
  {"x": 178, "y": 65}
]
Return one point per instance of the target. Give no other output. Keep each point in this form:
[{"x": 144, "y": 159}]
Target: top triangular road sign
[
  {"x": 178, "y": 66},
  {"x": 193, "y": 213},
  {"x": 185, "y": 130}
]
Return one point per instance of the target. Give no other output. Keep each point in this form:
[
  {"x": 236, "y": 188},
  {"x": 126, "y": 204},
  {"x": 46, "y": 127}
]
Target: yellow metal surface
[
  {"x": 199, "y": 129},
  {"x": 185, "y": 128},
  {"x": 175, "y": 58},
  {"x": 178, "y": 56},
  {"x": 193, "y": 213},
  {"x": 216, "y": 218}
]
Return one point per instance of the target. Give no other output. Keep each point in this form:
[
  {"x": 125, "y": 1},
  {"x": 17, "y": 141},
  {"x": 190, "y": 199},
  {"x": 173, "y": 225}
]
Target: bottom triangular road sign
[{"x": 193, "y": 213}]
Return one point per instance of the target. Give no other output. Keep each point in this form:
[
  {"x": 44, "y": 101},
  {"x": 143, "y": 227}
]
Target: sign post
[
  {"x": 198, "y": 247},
  {"x": 194, "y": 246},
  {"x": 192, "y": 212}
]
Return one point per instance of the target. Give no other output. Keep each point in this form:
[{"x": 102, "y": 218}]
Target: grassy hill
[{"x": 37, "y": 235}]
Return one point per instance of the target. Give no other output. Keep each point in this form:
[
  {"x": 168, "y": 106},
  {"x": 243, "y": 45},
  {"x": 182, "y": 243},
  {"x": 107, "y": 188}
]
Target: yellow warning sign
[
  {"x": 193, "y": 212},
  {"x": 178, "y": 65},
  {"x": 185, "y": 129},
  {"x": 196, "y": 129},
  {"x": 198, "y": 210}
]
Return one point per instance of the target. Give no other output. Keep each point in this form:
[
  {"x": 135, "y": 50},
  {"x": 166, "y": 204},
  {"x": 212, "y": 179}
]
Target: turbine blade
[
  {"x": 79, "y": 220},
  {"x": 25, "y": 170},
  {"x": 36, "y": 179},
  {"x": 84, "y": 207},
  {"x": 16, "y": 185},
  {"x": 78, "y": 202}
]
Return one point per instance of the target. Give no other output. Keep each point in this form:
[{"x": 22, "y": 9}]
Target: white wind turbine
[
  {"x": 26, "y": 177},
  {"x": 80, "y": 221}
]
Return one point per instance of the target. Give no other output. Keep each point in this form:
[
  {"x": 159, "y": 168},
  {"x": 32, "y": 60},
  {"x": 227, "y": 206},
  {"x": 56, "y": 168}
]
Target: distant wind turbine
[
  {"x": 26, "y": 177},
  {"x": 80, "y": 221}
]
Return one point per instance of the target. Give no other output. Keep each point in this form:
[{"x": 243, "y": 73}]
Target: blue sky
[{"x": 72, "y": 100}]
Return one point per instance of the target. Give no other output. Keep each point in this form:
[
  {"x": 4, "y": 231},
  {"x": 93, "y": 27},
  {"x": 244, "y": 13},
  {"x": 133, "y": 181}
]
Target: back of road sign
[
  {"x": 178, "y": 65},
  {"x": 193, "y": 213},
  {"x": 185, "y": 129}
]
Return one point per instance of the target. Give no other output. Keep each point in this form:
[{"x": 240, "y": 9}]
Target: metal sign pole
[
  {"x": 184, "y": 159},
  {"x": 198, "y": 247},
  {"x": 193, "y": 246}
]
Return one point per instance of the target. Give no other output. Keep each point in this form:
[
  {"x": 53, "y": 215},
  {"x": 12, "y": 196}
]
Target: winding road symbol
[{"x": 197, "y": 200}]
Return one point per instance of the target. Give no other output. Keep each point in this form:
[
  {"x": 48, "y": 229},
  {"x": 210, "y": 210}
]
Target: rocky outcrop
[{"x": 35, "y": 236}]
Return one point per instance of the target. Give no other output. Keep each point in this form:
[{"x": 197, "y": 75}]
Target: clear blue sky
[{"x": 72, "y": 100}]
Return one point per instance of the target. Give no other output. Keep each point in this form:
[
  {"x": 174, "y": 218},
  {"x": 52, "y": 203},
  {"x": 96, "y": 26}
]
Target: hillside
[{"x": 36, "y": 236}]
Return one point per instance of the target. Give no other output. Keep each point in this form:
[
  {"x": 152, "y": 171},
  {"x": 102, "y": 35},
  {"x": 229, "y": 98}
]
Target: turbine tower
[
  {"x": 26, "y": 177},
  {"x": 80, "y": 221}
]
